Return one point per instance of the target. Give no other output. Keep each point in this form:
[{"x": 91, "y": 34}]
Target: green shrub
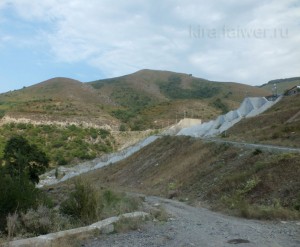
[
  {"x": 249, "y": 185},
  {"x": 24, "y": 159},
  {"x": 199, "y": 89},
  {"x": 16, "y": 195},
  {"x": 219, "y": 104},
  {"x": 104, "y": 133},
  {"x": 2, "y": 113},
  {"x": 122, "y": 127},
  {"x": 83, "y": 203},
  {"x": 257, "y": 151}
]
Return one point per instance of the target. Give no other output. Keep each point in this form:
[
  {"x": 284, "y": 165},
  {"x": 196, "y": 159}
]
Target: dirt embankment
[{"x": 225, "y": 176}]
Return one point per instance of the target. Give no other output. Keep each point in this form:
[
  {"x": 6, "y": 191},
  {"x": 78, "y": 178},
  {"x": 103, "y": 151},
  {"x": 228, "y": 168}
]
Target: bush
[
  {"x": 39, "y": 221},
  {"x": 87, "y": 205},
  {"x": 36, "y": 222},
  {"x": 24, "y": 159},
  {"x": 104, "y": 133},
  {"x": 83, "y": 203},
  {"x": 219, "y": 104},
  {"x": 16, "y": 195},
  {"x": 257, "y": 151},
  {"x": 122, "y": 127}
]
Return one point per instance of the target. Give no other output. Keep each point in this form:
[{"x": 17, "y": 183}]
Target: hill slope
[
  {"x": 280, "y": 125},
  {"x": 228, "y": 178},
  {"x": 281, "y": 84},
  {"x": 142, "y": 100},
  {"x": 159, "y": 98},
  {"x": 242, "y": 179},
  {"x": 57, "y": 99}
]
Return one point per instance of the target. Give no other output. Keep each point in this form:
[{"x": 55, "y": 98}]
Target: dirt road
[{"x": 190, "y": 226}]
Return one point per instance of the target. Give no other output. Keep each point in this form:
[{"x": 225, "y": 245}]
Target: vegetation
[
  {"x": 82, "y": 205},
  {"x": 63, "y": 145},
  {"x": 23, "y": 163},
  {"x": 199, "y": 90},
  {"x": 24, "y": 160},
  {"x": 219, "y": 104}
]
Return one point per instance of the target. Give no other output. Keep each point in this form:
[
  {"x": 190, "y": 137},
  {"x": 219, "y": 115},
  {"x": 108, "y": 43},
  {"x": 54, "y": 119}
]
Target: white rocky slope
[{"x": 250, "y": 107}]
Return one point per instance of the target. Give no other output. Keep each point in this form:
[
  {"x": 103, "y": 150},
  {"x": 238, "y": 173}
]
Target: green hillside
[{"x": 150, "y": 99}]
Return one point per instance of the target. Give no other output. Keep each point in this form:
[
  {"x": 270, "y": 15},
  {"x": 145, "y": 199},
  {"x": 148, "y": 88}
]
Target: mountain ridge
[{"x": 141, "y": 100}]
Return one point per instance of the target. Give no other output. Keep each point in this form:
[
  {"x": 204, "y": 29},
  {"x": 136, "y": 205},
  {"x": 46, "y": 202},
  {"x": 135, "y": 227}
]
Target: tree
[{"x": 24, "y": 160}]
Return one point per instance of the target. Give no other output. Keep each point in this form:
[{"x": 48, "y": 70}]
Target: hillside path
[
  {"x": 190, "y": 226},
  {"x": 254, "y": 145}
]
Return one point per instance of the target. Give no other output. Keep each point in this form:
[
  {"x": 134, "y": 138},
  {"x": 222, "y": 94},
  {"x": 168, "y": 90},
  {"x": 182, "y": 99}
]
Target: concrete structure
[{"x": 183, "y": 123}]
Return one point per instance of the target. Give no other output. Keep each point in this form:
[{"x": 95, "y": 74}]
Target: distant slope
[
  {"x": 279, "y": 125},
  {"x": 281, "y": 84},
  {"x": 142, "y": 100}
]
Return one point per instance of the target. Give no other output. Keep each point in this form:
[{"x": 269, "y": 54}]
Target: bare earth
[{"x": 190, "y": 226}]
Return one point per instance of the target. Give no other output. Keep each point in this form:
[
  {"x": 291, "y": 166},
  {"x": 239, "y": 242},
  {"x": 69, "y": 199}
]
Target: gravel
[{"x": 190, "y": 226}]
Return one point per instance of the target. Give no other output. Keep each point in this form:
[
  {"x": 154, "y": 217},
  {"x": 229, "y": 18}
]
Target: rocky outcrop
[{"x": 62, "y": 123}]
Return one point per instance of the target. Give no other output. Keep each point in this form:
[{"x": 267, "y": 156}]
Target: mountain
[
  {"x": 142, "y": 100},
  {"x": 159, "y": 98},
  {"x": 281, "y": 84}
]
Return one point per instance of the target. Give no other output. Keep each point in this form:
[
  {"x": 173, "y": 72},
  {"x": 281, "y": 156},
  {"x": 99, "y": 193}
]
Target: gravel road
[{"x": 190, "y": 226}]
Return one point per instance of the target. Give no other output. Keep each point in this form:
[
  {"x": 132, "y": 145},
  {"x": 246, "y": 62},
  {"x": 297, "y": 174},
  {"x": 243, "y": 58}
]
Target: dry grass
[{"x": 272, "y": 126}]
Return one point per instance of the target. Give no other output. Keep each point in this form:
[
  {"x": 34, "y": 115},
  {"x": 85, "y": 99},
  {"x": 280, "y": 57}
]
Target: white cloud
[{"x": 124, "y": 36}]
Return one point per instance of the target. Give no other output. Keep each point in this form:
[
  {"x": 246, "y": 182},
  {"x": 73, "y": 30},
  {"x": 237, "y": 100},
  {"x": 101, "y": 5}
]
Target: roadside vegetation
[
  {"x": 27, "y": 211},
  {"x": 63, "y": 145}
]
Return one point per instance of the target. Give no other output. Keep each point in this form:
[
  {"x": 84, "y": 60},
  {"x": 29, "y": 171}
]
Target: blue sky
[{"x": 250, "y": 41}]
